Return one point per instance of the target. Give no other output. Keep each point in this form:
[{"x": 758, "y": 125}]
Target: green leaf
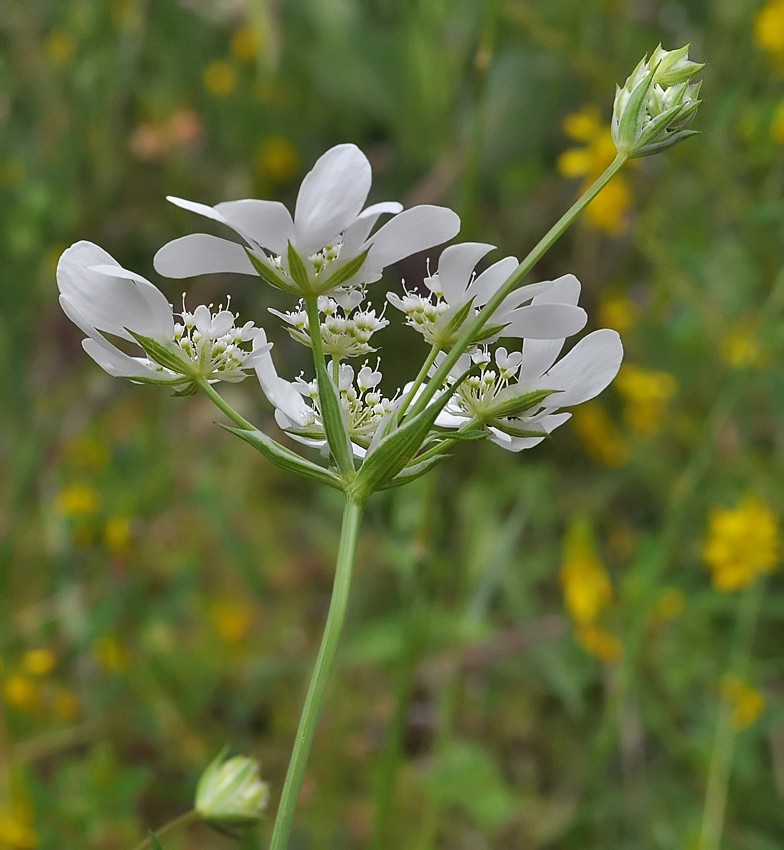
[
  {"x": 154, "y": 843},
  {"x": 511, "y": 405},
  {"x": 416, "y": 470},
  {"x": 268, "y": 274},
  {"x": 298, "y": 270},
  {"x": 344, "y": 273},
  {"x": 396, "y": 449},
  {"x": 285, "y": 458},
  {"x": 164, "y": 356}
]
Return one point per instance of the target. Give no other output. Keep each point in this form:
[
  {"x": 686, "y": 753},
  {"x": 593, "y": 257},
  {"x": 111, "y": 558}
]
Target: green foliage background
[{"x": 463, "y": 714}]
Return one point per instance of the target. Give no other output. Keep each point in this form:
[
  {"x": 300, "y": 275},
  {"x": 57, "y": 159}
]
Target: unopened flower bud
[
  {"x": 231, "y": 796},
  {"x": 657, "y": 103}
]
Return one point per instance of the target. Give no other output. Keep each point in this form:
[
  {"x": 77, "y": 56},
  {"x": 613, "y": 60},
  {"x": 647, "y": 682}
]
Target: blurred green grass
[{"x": 179, "y": 585}]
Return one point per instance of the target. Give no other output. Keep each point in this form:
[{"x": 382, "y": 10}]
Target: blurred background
[{"x": 575, "y": 647}]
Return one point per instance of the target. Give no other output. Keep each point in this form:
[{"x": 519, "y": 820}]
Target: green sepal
[
  {"x": 416, "y": 470},
  {"x": 476, "y": 434},
  {"x": 285, "y": 458},
  {"x": 268, "y": 274},
  {"x": 188, "y": 389},
  {"x": 456, "y": 321},
  {"x": 344, "y": 273},
  {"x": 162, "y": 355},
  {"x": 659, "y": 124},
  {"x": 513, "y": 431},
  {"x": 514, "y": 404},
  {"x": 630, "y": 122},
  {"x": 298, "y": 270},
  {"x": 138, "y": 379},
  {"x": 488, "y": 331},
  {"x": 154, "y": 843},
  {"x": 396, "y": 449}
]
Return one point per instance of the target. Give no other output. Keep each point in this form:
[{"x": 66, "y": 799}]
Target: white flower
[
  {"x": 101, "y": 297},
  {"x": 345, "y": 331},
  {"x": 456, "y": 296},
  {"x": 329, "y": 231},
  {"x": 363, "y": 404},
  {"x": 510, "y": 399}
]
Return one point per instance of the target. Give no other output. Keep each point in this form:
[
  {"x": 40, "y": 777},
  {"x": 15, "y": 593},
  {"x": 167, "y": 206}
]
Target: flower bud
[
  {"x": 657, "y": 103},
  {"x": 231, "y": 796}
]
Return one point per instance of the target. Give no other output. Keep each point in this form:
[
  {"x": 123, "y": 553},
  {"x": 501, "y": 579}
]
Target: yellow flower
[
  {"x": 39, "y": 662},
  {"x": 277, "y": 160},
  {"x": 618, "y": 312},
  {"x": 220, "y": 79},
  {"x": 600, "y": 436},
  {"x": 600, "y": 643},
  {"x": 743, "y": 543},
  {"x": 671, "y": 604},
  {"x": 608, "y": 210},
  {"x": 748, "y": 704},
  {"x": 232, "y": 619},
  {"x": 647, "y": 393},
  {"x": 769, "y": 28},
  {"x": 111, "y": 654},
  {"x": 59, "y": 47},
  {"x": 16, "y": 831},
  {"x": 22, "y": 692},
  {"x": 245, "y": 43},
  {"x": 78, "y": 500},
  {"x": 584, "y": 580},
  {"x": 117, "y": 534},
  {"x": 741, "y": 348}
]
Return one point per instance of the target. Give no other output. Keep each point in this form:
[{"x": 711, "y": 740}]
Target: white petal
[
  {"x": 202, "y": 318},
  {"x": 409, "y": 232},
  {"x": 456, "y": 265},
  {"x": 357, "y": 233},
  {"x": 114, "y": 301},
  {"x": 265, "y": 223},
  {"x": 490, "y": 281},
  {"x": 586, "y": 370},
  {"x": 331, "y": 197},
  {"x": 280, "y": 393},
  {"x": 221, "y": 324},
  {"x": 546, "y": 321},
  {"x": 547, "y": 423},
  {"x": 200, "y": 253},
  {"x": 195, "y": 207}
]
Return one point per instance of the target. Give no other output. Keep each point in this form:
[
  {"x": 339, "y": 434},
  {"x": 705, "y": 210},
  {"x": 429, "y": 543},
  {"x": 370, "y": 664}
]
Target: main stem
[
  {"x": 539, "y": 250},
  {"x": 352, "y": 517}
]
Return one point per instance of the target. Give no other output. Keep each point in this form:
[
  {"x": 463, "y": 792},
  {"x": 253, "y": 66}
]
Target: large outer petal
[
  {"x": 456, "y": 265},
  {"x": 268, "y": 224},
  {"x": 539, "y": 354},
  {"x": 409, "y": 232},
  {"x": 490, "y": 281},
  {"x": 357, "y": 233},
  {"x": 586, "y": 370},
  {"x": 281, "y": 394},
  {"x": 331, "y": 197},
  {"x": 546, "y": 321},
  {"x": 200, "y": 253},
  {"x": 548, "y": 423},
  {"x": 111, "y": 298}
]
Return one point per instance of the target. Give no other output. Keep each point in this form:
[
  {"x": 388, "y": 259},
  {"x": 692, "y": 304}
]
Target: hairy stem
[
  {"x": 514, "y": 281},
  {"x": 352, "y": 517},
  {"x": 182, "y": 821}
]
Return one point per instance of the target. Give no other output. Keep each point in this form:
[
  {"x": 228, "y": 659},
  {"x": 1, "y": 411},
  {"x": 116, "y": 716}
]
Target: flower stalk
[
  {"x": 349, "y": 533},
  {"x": 181, "y": 822}
]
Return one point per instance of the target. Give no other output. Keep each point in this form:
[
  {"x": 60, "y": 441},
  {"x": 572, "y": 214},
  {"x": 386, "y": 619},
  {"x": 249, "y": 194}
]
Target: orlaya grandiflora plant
[{"x": 493, "y": 370}]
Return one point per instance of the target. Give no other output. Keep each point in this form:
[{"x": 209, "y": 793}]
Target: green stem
[
  {"x": 352, "y": 517},
  {"x": 207, "y": 389},
  {"x": 184, "y": 820},
  {"x": 514, "y": 281},
  {"x": 411, "y": 395},
  {"x": 724, "y": 742}
]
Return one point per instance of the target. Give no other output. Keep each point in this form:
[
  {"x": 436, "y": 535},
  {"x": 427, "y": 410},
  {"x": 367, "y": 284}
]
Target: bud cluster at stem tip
[
  {"x": 656, "y": 105},
  {"x": 231, "y": 796}
]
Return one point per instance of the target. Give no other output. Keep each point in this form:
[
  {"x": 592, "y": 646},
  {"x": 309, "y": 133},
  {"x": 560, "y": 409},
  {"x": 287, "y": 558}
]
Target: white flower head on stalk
[
  {"x": 457, "y": 294},
  {"x": 297, "y": 405},
  {"x": 517, "y": 396},
  {"x": 101, "y": 297},
  {"x": 231, "y": 795},
  {"x": 346, "y": 330},
  {"x": 656, "y": 105},
  {"x": 327, "y": 247}
]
